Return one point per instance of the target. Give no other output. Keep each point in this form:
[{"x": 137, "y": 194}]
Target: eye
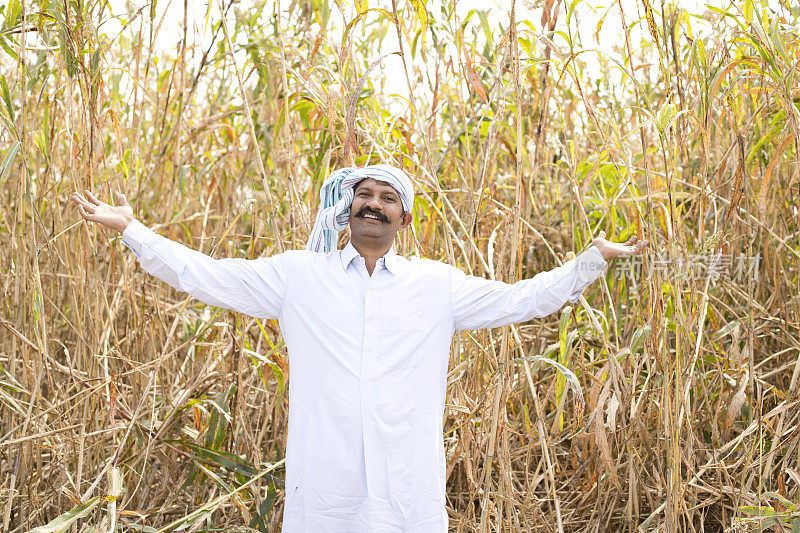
[
  {"x": 363, "y": 194},
  {"x": 389, "y": 199}
]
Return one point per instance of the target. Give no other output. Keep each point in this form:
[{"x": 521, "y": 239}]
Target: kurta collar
[
  {"x": 391, "y": 260},
  {"x": 348, "y": 254}
]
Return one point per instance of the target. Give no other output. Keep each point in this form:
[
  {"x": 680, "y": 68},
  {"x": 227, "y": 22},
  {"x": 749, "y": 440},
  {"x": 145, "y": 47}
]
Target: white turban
[{"x": 336, "y": 198}]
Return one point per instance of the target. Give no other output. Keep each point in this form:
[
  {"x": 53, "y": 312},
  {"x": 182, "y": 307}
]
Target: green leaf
[
  {"x": 10, "y": 51},
  {"x": 564, "y": 36},
  {"x": 422, "y": 15},
  {"x": 55, "y": 11},
  {"x": 422, "y": 12},
  {"x": 228, "y": 461},
  {"x": 562, "y": 331},
  {"x": 6, "y": 96},
  {"x": 220, "y": 483},
  {"x": 95, "y": 62},
  {"x": 258, "y": 359},
  {"x": 485, "y": 24},
  {"x": 748, "y": 11},
  {"x": 65, "y": 520},
  {"x": 777, "y": 40},
  {"x": 701, "y": 53},
  {"x": 6, "y": 165},
  {"x": 13, "y": 10},
  {"x": 139, "y": 527},
  {"x": 757, "y": 510},
  {"x": 526, "y": 417},
  {"x": 349, "y": 27},
  {"x": 217, "y": 427},
  {"x": 414, "y": 43},
  {"x": 570, "y": 376},
  {"x": 726, "y": 329},
  {"x": 786, "y": 502},
  {"x": 72, "y": 69},
  {"x": 571, "y": 9},
  {"x": 687, "y": 20},
  {"x": 261, "y": 518},
  {"x": 664, "y": 117},
  {"x": 639, "y": 336}
]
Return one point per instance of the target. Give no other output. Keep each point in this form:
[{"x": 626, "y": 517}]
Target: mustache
[{"x": 364, "y": 210}]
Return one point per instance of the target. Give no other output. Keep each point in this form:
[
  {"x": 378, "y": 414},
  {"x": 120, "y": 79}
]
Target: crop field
[{"x": 665, "y": 399}]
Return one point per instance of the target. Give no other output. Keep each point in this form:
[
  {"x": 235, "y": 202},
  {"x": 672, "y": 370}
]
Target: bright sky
[
  {"x": 588, "y": 14},
  {"x": 589, "y": 11}
]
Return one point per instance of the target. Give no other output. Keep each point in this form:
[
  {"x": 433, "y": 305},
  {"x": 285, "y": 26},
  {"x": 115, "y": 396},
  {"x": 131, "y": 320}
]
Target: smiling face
[{"x": 376, "y": 214}]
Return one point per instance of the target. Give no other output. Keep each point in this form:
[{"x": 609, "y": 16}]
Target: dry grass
[{"x": 133, "y": 406}]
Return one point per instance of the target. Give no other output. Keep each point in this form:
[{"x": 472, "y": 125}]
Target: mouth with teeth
[{"x": 368, "y": 214}]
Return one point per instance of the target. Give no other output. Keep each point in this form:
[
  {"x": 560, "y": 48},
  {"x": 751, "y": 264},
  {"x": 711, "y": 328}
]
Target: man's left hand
[{"x": 611, "y": 250}]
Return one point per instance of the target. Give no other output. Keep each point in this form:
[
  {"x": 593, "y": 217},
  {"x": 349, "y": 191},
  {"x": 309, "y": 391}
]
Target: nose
[{"x": 373, "y": 202}]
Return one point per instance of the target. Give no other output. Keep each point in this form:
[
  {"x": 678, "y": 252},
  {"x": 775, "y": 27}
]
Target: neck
[{"x": 371, "y": 252}]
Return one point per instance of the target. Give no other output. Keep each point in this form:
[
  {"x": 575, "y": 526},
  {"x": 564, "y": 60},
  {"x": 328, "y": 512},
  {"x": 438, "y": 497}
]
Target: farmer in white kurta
[{"x": 368, "y": 334}]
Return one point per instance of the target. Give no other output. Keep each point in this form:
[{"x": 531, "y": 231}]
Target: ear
[{"x": 406, "y": 220}]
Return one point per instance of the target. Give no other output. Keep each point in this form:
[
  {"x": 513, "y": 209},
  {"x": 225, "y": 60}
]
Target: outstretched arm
[
  {"x": 479, "y": 303},
  {"x": 254, "y": 287}
]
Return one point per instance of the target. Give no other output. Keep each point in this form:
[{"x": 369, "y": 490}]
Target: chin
[{"x": 372, "y": 234}]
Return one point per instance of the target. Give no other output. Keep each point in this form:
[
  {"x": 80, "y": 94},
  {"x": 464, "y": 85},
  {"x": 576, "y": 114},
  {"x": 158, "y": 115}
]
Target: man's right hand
[{"x": 114, "y": 217}]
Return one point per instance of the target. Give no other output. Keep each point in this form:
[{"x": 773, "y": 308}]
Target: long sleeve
[
  {"x": 254, "y": 287},
  {"x": 479, "y": 303}
]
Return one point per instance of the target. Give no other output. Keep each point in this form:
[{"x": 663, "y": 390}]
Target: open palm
[
  {"x": 611, "y": 250},
  {"x": 92, "y": 209}
]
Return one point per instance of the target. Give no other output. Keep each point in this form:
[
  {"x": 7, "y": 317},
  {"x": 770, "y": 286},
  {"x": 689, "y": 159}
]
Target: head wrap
[{"x": 336, "y": 198}]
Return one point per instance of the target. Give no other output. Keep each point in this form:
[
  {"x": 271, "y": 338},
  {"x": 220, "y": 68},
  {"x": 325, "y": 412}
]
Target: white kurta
[{"x": 368, "y": 359}]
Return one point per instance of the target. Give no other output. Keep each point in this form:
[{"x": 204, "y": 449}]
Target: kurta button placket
[{"x": 366, "y": 383}]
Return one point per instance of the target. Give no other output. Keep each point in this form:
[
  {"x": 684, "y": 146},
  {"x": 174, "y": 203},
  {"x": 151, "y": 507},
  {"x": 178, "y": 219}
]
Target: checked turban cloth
[{"x": 336, "y": 197}]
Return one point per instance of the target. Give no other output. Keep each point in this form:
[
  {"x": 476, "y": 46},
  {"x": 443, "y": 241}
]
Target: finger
[
  {"x": 92, "y": 198},
  {"x": 80, "y": 200},
  {"x": 601, "y": 235},
  {"x": 121, "y": 200},
  {"x": 84, "y": 213}
]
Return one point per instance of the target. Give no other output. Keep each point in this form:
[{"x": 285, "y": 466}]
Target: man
[{"x": 368, "y": 335}]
